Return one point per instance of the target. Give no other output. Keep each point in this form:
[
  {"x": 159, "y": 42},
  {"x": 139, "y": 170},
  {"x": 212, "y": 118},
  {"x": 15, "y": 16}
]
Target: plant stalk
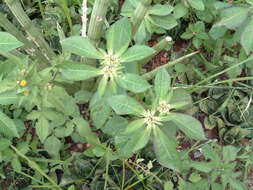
[
  {"x": 84, "y": 18},
  {"x": 151, "y": 74},
  {"x": 95, "y": 29},
  {"x": 33, "y": 32},
  {"x": 139, "y": 14}
]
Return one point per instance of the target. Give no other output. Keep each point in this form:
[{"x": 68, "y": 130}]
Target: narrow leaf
[{"x": 162, "y": 83}]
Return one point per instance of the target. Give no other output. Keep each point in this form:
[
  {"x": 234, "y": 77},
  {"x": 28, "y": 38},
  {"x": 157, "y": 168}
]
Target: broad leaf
[
  {"x": 133, "y": 82},
  {"x": 42, "y": 128},
  {"x": 81, "y": 46},
  {"x": 247, "y": 37},
  {"x": 52, "y": 145},
  {"x": 229, "y": 153},
  {"x": 189, "y": 125},
  {"x": 7, "y": 126},
  {"x": 119, "y": 36},
  {"x": 166, "y": 22},
  {"x": 78, "y": 71},
  {"x": 84, "y": 130},
  {"x": 233, "y": 17},
  {"x": 8, "y": 42},
  {"x": 124, "y": 105},
  {"x": 197, "y": 4},
  {"x": 129, "y": 144},
  {"x": 136, "y": 53},
  {"x": 8, "y": 98},
  {"x": 115, "y": 126},
  {"x": 160, "y": 10},
  {"x": 162, "y": 83},
  {"x": 180, "y": 10},
  {"x": 165, "y": 150},
  {"x": 134, "y": 125}
]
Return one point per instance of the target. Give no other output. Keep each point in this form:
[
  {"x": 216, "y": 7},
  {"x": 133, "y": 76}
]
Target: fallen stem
[{"x": 152, "y": 73}]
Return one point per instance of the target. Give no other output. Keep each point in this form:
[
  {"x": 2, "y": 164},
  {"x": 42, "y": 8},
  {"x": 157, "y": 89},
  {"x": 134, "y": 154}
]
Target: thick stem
[
  {"x": 158, "y": 48},
  {"x": 95, "y": 30},
  {"x": 151, "y": 74},
  {"x": 139, "y": 15},
  {"x": 29, "y": 46},
  {"x": 84, "y": 18},
  {"x": 33, "y": 33}
]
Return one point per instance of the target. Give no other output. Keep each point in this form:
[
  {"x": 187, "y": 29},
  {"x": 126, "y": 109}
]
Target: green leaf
[
  {"x": 166, "y": 22},
  {"x": 237, "y": 185},
  {"x": 81, "y": 46},
  {"x": 115, "y": 126},
  {"x": 124, "y": 105},
  {"x": 233, "y": 17},
  {"x": 162, "y": 83},
  {"x": 8, "y": 98},
  {"x": 102, "y": 85},
  {"x": 250, "y": 1},
  {"x": 4, "y": 144},
  {"x": 229, "y": 153},
  {"x": 7, "y": 126},
  {"x": 165, "y": 150},
  {"x": 202, "y": 166},
  {"x": 128, "y": 144},
  {"x": 197, "y": 4},
  {"x": 8, "y": 42},
  {"x": 16, "y": 165},
  {"x": 134, "y": 125},
  {"x": 42, "y": 128},
  {"x": 247, "y": 37},
  {"x": 168, "y": 185},
  {"x": 133, "y": 82},
  {"x": 160, "y": 10},
  {"x": 84, "y": 130},
  {"x": 119, "y": 36},
  {"x": 180, "y": 10},
  {"x": 100, "y": 112},
  {"x": 78, "y": 71},
  {"x": 189, "y": 125},
  {"x": 136, "y": 53},
  {"x": 52, "y": 145}
]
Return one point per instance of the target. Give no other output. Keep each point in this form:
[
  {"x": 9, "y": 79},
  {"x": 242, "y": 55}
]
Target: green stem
[
  {"x": 29, "y": 46},
  {"x": 95, "y": 29},
  {"x": 33, "y": 32},
  {"x": 139, "y": 14},
  {"x": 150, "y": 74},
  {"x": 36, "y": 167},
  {"x": 224, "y": 71},
  {"x": 158, "y": 48}
]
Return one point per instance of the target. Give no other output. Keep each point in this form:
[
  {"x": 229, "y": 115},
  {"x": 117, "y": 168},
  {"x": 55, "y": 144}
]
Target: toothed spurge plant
[
  {"x": 153, "y": 121},
  {"x": 113, "y": 62}
]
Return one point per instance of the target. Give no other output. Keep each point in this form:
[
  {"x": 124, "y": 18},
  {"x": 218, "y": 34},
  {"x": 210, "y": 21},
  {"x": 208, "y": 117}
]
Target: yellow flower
[{"x": 23, "y": 83}]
